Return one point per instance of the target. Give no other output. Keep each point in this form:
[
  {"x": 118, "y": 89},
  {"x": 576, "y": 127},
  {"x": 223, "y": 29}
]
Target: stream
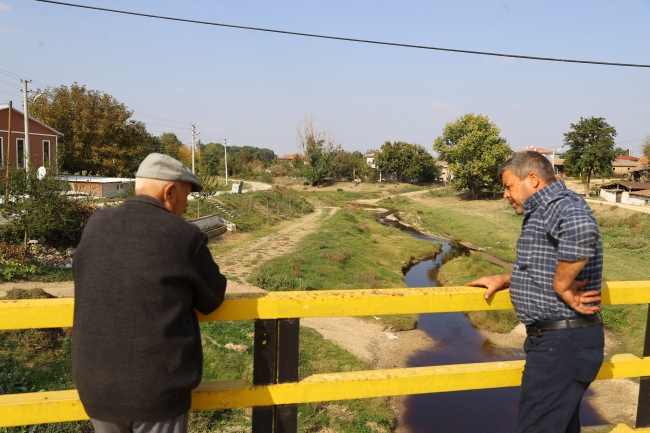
[{"x": 458, "y": 342}]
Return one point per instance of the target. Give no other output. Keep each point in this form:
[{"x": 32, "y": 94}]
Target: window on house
[
  {"x": 20, "y": 153},
  {"x": 46, "y": 153}
]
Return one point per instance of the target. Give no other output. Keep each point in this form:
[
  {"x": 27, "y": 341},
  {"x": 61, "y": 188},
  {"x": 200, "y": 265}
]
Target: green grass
[
  {"x": 350, "y": 251},
  {"x": 264, "y": 208},
  {"x": 461, "y": 270},
  {"x": 486, "y": 223}
]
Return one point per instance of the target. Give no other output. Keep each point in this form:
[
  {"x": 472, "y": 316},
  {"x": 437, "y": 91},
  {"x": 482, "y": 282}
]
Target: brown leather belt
[{"x": 536, "y": 329}]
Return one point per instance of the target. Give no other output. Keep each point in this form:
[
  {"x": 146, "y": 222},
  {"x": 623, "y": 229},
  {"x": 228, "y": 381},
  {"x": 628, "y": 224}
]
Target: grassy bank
[
  {"x": 463, "y": 269},
  {"x": 35, "y": 360},
  {"x": 350, "y": 251},
  {"x": 494, "y": 226}
]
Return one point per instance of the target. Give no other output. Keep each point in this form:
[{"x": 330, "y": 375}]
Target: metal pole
[
  {"x": 26, "y": 150},
  {"x": 192, "y": 128},
  {"x": 8, "y": 158},
  {"x": 643, "y": 407},
  {"x": 225, "y": 157}
]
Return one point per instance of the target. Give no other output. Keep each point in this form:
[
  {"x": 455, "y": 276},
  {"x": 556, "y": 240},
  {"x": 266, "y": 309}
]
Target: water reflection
[{"x": 458, "y": 342}]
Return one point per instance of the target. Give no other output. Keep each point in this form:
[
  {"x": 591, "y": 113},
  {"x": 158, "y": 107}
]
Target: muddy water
[{"x": 457, "y": 342}]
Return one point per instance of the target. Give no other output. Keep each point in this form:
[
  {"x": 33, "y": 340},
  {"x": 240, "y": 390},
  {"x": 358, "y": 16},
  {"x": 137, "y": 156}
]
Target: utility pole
[
  {"x": 26, "y": 149},
  {"x": 192, "y": 128},
  {"x": 225, "y": 157},
  {"x": 8, "y": 158}
]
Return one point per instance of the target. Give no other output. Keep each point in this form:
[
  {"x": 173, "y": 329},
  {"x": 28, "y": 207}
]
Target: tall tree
[
  {"x": 317, "y": 148},
  {"x": 99, "y": 136},
  {"x": 170, "y": 143},
  {"x": 411, "y": 162},
  {"x": 591, "y": 149},
  {"x": 474, "y": 150}
]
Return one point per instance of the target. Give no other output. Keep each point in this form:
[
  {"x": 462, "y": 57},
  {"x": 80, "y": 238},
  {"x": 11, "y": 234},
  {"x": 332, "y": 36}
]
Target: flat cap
[{"x": 164, "y": 167}]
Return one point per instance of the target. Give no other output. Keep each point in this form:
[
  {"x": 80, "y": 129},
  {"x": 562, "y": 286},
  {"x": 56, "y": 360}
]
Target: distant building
[
  {"x": 636, "y": 193},
  {"x": 624, "y": 166},
  {"x": 370, "y": 160},
  {"x": 626, "y": 158},
  {"x": 290, "y": 158},
  {"x": 96, "y": 186},
  {"x": 43, "y": 141},
  {"x": 446, "y": 174}
]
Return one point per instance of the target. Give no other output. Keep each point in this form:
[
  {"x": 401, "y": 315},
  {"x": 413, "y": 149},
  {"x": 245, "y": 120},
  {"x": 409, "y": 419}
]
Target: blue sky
[{"x": 253, "y": 87}]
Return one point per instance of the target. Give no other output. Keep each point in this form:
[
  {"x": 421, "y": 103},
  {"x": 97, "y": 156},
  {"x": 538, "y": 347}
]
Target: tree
[
  {"x": 619, "y": 151},
  {"x": 411, "y": 162},
  {"x": 475, "y": 151},
  {"x": 170, "y": 143},
  {"x": 39, "y": 209},
  {"x": 99, "y": 136},
  {"x": 645, "y": 146},
  {"x": 317, "y": 149},
  {"x": 591, "y": 149},
  {"x": 347, "y": 164}
]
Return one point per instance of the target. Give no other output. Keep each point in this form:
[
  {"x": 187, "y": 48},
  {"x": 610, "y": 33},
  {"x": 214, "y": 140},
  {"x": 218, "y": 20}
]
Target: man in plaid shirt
[{"x": 555, "y": 289}]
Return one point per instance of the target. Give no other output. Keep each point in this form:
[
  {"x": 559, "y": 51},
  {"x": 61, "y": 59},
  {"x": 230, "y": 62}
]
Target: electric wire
[
  {"x": 339, "y": 38},
  {"x": 15, "y": 94},
  {"x": 10, "y": 84}
]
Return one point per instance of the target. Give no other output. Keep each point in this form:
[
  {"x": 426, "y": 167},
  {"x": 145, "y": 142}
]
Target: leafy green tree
[
  {"x": 346, "y": 164},
  {"x": 99, "y": 136},
  {"x": 170, "y": 144},
  {"x": 619, "y": 151},
  {"x": 475, "y": 151},
  {"x": 39, "y": 209},
  {"x": 591, "y": 149},
  {"x": 411, "y": 162}
]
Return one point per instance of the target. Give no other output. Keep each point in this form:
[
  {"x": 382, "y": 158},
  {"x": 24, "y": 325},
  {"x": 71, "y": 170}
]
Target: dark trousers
[{"x": 560, "y": 365}]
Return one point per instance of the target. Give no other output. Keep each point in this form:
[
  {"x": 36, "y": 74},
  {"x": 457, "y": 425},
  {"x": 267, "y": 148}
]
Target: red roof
[
  {"x": 626, "y": 158},
  {"x": 643, "y": 160},
  {"x": 289, "y": 157}
]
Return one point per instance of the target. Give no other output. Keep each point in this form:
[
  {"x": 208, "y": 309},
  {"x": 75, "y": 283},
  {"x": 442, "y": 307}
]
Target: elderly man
[
  {"x": 555, "y": 289},
  {"x": 140, "y": 272}
]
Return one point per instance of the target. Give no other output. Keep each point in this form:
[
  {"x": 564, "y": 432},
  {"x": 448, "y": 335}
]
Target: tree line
[{"x": 101, "y": 138}]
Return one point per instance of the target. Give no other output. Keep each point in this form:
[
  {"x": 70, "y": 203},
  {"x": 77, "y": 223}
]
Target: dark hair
[{"x": 524, "y": 163}]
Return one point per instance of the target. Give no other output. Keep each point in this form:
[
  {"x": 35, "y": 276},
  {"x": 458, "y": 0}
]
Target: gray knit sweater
[{"x": 139, "y": 273}]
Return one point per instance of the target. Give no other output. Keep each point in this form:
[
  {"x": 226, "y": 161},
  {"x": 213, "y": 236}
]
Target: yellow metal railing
[{"x": 58, "y": 406}]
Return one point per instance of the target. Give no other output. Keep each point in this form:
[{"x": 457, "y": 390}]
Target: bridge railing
[{"x": 276, "y": 388}]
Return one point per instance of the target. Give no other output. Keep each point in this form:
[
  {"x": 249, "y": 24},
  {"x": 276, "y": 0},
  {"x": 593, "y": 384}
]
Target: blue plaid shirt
[{"x": 558, "y": 225}]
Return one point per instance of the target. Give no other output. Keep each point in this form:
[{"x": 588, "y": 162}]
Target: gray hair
[
  {"x": 145, "y": 182},
  {"x": 524, "y": 163}
]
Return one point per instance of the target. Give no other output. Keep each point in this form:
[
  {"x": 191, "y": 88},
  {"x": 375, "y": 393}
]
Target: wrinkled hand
[
  {"x": 578, "y": 300},
  {"x": 493, "y": 283}
]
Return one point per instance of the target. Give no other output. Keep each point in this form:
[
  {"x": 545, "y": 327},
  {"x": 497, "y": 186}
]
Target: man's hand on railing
[{"x": 493, "y": 283}]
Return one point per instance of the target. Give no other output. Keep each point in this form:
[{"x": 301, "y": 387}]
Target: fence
[{"x": 276, "y": 389}]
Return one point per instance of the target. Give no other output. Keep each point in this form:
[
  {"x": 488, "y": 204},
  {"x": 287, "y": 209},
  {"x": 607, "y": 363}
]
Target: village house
[
  {"x": 636, "y": 193},
  {"x": 624, "y": 166},
  {"x": 446, "y": 174},
  {"x": 43, "y": 141},
  {"x": 290, "y": 158},
  {"x": 95, "y": 186}
]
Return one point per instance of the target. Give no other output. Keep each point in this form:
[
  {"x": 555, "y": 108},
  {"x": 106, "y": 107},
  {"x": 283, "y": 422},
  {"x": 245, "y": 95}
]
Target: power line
[
  {"x": 339, "y": 38},
  {"x": 17, "y": 76},
  {"x": 10, "y": 84},
  {"x": 15, "y": 94},
  {"x": 160, "y": 118}
]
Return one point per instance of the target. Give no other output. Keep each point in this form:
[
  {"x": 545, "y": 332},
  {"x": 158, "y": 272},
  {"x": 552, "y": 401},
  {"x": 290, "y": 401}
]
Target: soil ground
[{"x": 615, "y": 399}]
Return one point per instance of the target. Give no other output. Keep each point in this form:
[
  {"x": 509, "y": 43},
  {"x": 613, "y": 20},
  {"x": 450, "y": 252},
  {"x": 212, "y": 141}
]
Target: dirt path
[{"x": 241, "y": 261}]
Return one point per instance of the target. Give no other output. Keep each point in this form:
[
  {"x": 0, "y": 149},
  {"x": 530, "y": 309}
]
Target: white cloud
[
  {"x": 518, "y": 107},
  {"x": 4, "y": 7},
  {"x": 446, "y": 108}
]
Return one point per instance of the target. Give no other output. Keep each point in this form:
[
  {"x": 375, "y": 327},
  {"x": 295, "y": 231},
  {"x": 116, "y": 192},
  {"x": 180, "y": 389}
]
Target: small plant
[{"x": 337, "y": 257}]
